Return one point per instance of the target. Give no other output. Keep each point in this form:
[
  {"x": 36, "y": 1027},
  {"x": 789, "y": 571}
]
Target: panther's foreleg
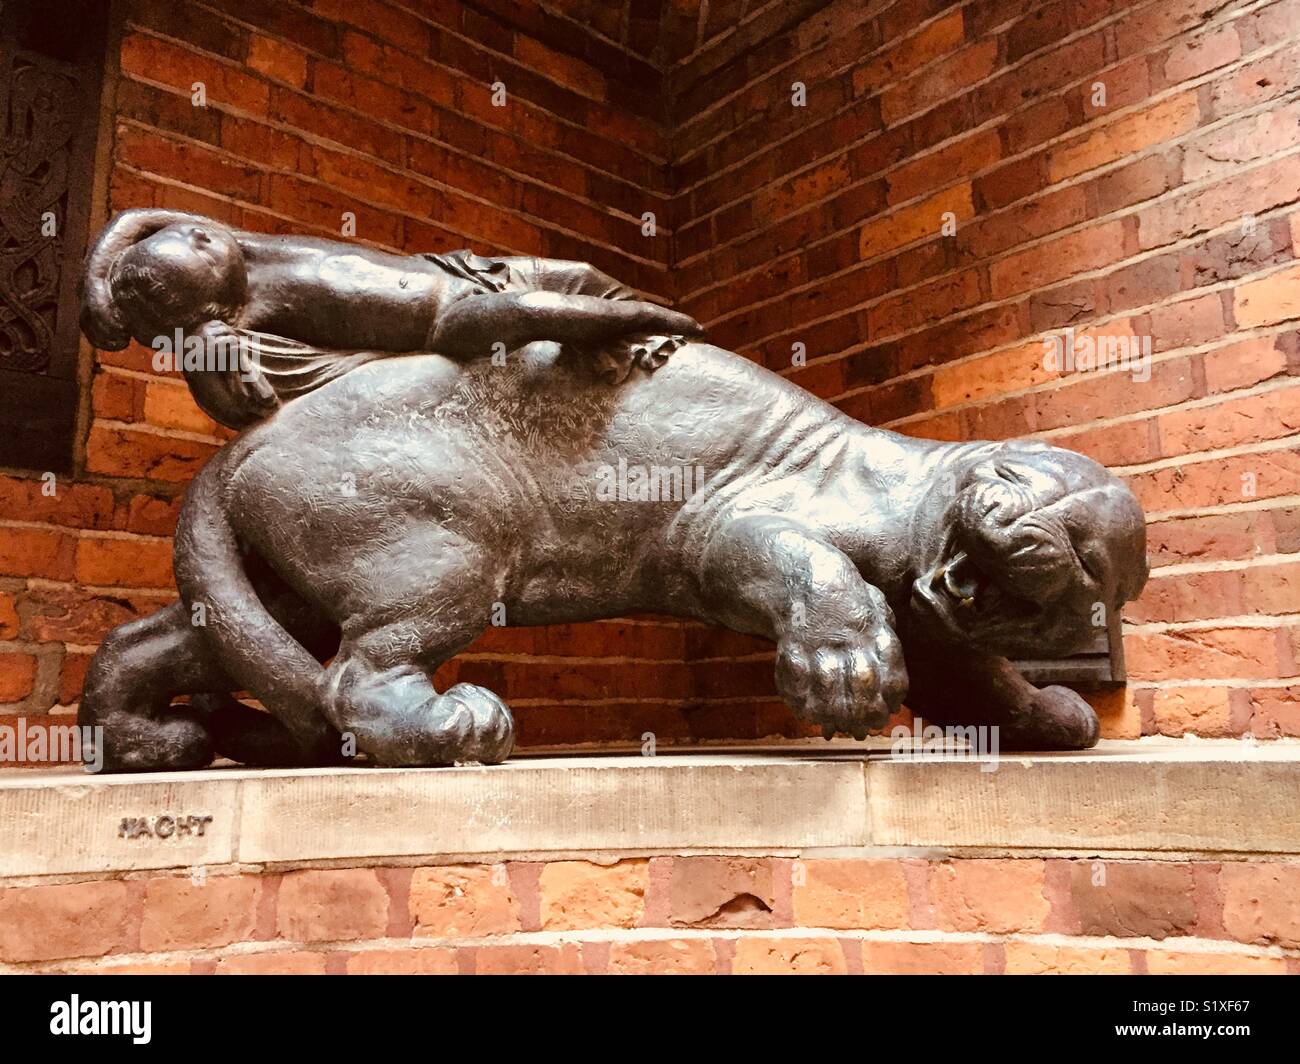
[
  {"x": 959, "y": 686},
  {"x": 839, "y": 663}
]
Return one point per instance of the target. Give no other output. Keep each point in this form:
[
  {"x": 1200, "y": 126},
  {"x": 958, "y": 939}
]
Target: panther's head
[{"x": 1034, "y": 548}]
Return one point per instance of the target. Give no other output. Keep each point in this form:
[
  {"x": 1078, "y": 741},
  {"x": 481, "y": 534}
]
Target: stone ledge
[{"x": 1229, "y": 798}]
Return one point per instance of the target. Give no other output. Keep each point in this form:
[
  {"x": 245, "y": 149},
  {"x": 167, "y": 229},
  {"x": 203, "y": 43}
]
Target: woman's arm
[{"x": 471, "y": 327}]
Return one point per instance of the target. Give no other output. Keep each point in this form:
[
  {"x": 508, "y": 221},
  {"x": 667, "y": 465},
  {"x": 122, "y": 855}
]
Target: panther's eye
[
  {"x": 1089, "y": 570},
  {"x": 1010, "y": 475}
]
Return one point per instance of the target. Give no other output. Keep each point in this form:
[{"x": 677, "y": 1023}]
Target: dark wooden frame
[{"x": 39, "y": 411}]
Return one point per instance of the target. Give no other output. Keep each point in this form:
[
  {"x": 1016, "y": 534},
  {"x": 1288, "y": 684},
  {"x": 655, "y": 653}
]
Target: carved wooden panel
[{"x": 51, "y": 62}]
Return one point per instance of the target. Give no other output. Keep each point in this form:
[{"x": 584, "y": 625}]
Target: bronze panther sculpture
[{"x": 379, "y": 521}]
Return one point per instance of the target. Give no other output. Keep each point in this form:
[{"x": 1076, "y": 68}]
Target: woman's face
[{"x": 182, "y": 275}]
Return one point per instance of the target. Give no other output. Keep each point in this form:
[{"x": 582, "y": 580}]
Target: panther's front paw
[
  {"x": 1057, "y": 719},
  {"x": 846, "y": 683}
]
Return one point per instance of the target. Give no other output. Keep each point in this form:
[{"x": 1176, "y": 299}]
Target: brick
[
  {"x": 1181, "y": 962},
  {"x": 1128, "y": 899},
  {"x": 577, "y": 894},
  {"x": 1231, "y": 423},
  {"x": 959, "y": 160},
  {"x": 277, "y": 60},
  {"x": 1125, "y": 136},
  {"x": 285, "y": 962},
  {"x": 1191, "y": 59},
  {"x": 1229, "y": 148},
  {"x": 1117, "y": 711},
  {"x": 1041, "y": 122},
  {"x": 1034, "y": 958},
  {"x": 922, "y": 958},
  {"x": 929, "y": 303},
  {"x": 902, "y": 58},
  {"x": 116, "y": 397},
  {"x": 851, "y": 894},
  {"x": 430, "y": 961},
  {"x": 690, "y": 956},
  {"x": 46, "y": 923},
  {"x": 1259, "y": 475},
  {"x": 471, "y": 901},
  {"x": 1143, "y": 179},
  {"x": 1204, "y": 653},
  {"x": 1257, "y": 81},
  {"x": 1261, "y": 902},
  {"x": 1056, "y": 259},
  {"x": 1268, "y": 300},
  {"x": 1275, "y": 712},
  {"x": 77, "y": 616},
  {"x": 128, "y": 453},
  {"x": 1119, "y": 444},
  {"x": 761, "y": 955},
  {"x": 42, "y": 552},
  {"x": 17, "y": 676},
  {"x": 527, "y": 960},
  {"x": 72, "y": 677},
  {"x": 1210, "y": 712},
  {"x": 1243, "y": 364},
  {"x": 1226, "y": 202},
  {"x": 993, "y": 375},
  {"x": 180, "y": 914},
  {"x": 1216, "y": 537},
  {"x": 721, "y": 892},
  {"x": 1161, "y": 21},
  {"x": 1026, "y": 221},
  {"x": 331, "y": 905},
  {"x": 171, "y": 64},
  {"x": 1037, "y": 30},
  {"x": 988, "y": 895},
  {"x": 124, "y": 562},
  {"x": 58, "y": 501},
  {"x": 1039, "y": 76},
  {"x": 189, "y": 162},
  {"x": 1185, "y": 323},
  {"x": 915, "y": 222},
  {"x": 939, "y": 82},
  {"x": 1009, "y": 183},
  {"x": 8, "y": 615}
]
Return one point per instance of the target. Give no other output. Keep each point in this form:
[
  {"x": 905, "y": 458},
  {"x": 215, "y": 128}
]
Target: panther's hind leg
[
  {"x": 378, "y": 690},
  {"x": 128, "y": 694},
  {"x": 142, "y": 665},
  {"x": 953, "y": 686}
]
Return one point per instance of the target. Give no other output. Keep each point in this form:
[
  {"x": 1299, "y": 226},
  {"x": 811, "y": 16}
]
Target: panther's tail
[{"x": 256, "y": 650}]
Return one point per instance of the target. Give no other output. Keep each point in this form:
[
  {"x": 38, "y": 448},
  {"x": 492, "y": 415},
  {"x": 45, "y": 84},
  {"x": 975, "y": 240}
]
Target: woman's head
[{"x": 178, "y": 278}]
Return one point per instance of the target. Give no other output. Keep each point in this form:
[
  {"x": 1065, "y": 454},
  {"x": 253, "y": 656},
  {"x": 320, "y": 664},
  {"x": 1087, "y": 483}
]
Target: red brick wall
[
  {"x": 684, "y": 915},
  {"x": 1168, "y": 210}
]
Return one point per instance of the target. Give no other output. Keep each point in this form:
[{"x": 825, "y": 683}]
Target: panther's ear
[{"x": 1025, "y": 446}]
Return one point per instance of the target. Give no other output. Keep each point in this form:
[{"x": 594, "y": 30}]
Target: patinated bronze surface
[{"x": 380, "y": 512}]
